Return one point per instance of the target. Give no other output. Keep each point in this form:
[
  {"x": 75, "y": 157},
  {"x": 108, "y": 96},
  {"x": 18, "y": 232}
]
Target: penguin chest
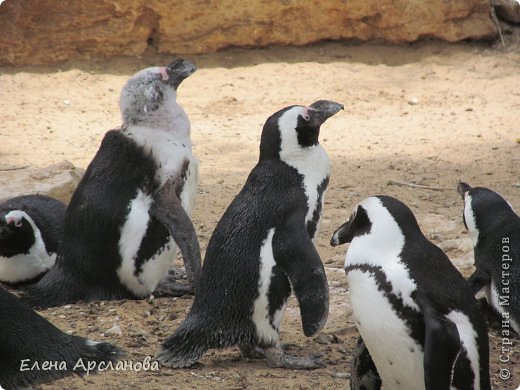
[
  {"x": 271, "y": 302},
  {"x": 145, "y": 246},
  {"x": 493, "y": 298},
  {"x": 397, "y": 356},
  {"x": 314, "y": 169}
]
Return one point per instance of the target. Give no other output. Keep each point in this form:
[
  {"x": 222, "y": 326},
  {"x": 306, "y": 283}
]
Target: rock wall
[{"x": 50, "y": 31}]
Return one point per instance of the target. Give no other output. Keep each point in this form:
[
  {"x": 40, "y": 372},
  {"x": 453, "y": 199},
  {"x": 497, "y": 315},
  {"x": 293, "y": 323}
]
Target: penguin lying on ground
[
  {"x": 263, "y": 246},
  {"x": 33, "y": 351},
  {"x": 495, "y": 230},
  {"x": 31, "y": 229},
  {"x": 131, "y": 209},
  {"x": 420, "y": 324}
]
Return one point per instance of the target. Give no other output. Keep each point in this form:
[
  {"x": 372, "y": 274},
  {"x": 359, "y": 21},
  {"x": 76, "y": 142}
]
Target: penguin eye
[{"x": 18, "y": 223}]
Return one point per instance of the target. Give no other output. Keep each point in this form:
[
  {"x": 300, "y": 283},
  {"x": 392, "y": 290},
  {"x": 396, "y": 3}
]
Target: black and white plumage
[
  {"x": 27, "y": 338},
  {"x": 131, "y": 209},
  {"x": 416, "y": 314},
  {"x": 263, "y": 246},
  {"x": 31, "y": 229},
  {"x": 494, "y": 227}
]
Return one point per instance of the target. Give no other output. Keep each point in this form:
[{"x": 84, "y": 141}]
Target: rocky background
[
  {"x": 50, "y": 31},
  {"x": 418, "y": 118}
]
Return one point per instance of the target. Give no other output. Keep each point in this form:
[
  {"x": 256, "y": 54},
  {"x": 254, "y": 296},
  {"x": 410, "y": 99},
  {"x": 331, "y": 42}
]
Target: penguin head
[
  {"x": 151, "y": 91},
  {"x": 16, "y": 233},
  {"x": 484, "y": 209},
  {"x": 379, "y": 216},
  {"x": 288, "y": 133}
]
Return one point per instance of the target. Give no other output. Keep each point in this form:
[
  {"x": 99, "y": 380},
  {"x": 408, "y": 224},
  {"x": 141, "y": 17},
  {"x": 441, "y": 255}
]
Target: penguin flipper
[
  {"x": 363, "y": 371},
  {"x": 441, "y": 345},
  {"x": 478, "y": 280},
  {"x": 295, "y": 253},
  {"x": 167, "y": 208}
]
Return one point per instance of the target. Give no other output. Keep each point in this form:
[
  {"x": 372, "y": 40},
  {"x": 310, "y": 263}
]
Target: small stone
[
  {"x": 66, "y": 102},
  {"x": 116, "y": 330},
  {"x": 413, "y": 101}
]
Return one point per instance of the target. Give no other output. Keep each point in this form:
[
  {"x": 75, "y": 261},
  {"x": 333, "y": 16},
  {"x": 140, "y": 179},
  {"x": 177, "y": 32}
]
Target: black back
[
  {"x": 498, "y": 247},
  {"x": 89, "y": 256},
  {"x": 27, "y": 335},
  {"x": 230, "y": 271},
  {"x": 47, "y": 213}
]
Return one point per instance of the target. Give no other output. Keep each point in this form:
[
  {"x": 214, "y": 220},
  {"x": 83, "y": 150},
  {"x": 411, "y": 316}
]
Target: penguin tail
[{"x": 186, "y": 346}]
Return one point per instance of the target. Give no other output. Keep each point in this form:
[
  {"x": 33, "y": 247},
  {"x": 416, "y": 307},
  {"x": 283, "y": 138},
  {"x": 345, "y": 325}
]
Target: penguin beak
[
  {"x": 343, "y": 234},
  {"x": 179, "y": 70},
  {"x": 463, "y": 188},
  {"x": 323, "y": 110}
]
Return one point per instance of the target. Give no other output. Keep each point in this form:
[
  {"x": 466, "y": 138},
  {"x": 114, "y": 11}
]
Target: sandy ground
[{"x": 465, "y": 125}]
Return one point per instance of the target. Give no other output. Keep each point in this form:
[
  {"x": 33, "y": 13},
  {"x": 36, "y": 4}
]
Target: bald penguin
[
  {"x": 262, "y": 248},
  {"x": 420, "y": 324},
  {"x": 131, "y": 211},
  {"x": 33, "y": 351},
  {"x": 495, "y": 230},
  {"x": 31, "y": 229}
]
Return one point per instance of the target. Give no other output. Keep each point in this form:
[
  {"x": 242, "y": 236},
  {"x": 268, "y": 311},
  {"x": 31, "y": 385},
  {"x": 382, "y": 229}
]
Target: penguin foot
[
  {"x": 176, "y": 274},
  {"x": 251, "y": 351},
  {"x": 277, "y": 358},
  {"x": 172, "y": 289},
  {"x": 288, "y": 347}
]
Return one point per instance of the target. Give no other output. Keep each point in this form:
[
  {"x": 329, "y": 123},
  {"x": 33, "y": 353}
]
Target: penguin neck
[
  {"x": 308, "y": 161},
  {"x": 381, "y": 248},
  {"x": 170, "y": 118}
]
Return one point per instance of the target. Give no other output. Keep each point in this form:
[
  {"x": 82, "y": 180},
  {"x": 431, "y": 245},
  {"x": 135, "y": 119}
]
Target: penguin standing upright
[
  {"x": 31, "y": 229},
  {"x": 33, "y": 351},
  {"x": 263, "y": 246},
  {"x": 131, "y": 209},
  {"x": 420, "y": 324},
  {"x": 495, "y": 230}
]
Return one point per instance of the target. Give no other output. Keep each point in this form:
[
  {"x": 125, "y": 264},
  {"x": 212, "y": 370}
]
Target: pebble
[
  {"x": 116, "y": 329},
  {"x": 413, "y": 101},
  {"x": 340, "y": 375}
]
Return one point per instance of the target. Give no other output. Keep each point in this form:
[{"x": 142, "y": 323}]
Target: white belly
[
  {"x": 398, "y": 357},
  {"x": 266, "y": 329},
  {"x": 134, "y": 230}
]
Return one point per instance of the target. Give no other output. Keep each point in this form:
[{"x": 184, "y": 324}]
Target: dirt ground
[{"x": 431, "y": 113}]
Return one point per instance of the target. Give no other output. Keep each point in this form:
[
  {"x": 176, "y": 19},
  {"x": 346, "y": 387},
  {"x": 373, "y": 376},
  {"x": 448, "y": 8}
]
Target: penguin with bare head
[
  {"x": 494, "y": 227},
  {"x": 131, "y": 210},
  {"x": 262, "y": 248},
  {"x": 421, "y": 326}
]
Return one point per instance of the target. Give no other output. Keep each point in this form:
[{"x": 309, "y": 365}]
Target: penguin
[
  {"x": 419, "y": 322},
  {"x": 31, "y": 229},
  {"x": 262, "y": 248},
  {"x": 494, "y": 227},
  {"x": 33, "y": 351},
  {"x": 131, "y": 210}
]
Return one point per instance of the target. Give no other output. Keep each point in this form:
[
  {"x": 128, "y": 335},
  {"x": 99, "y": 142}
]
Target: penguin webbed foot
[
  {"x": 276, "y": 358},
  {"x": 251, "y": 351},
  {"x": 169, "y": 288}
]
